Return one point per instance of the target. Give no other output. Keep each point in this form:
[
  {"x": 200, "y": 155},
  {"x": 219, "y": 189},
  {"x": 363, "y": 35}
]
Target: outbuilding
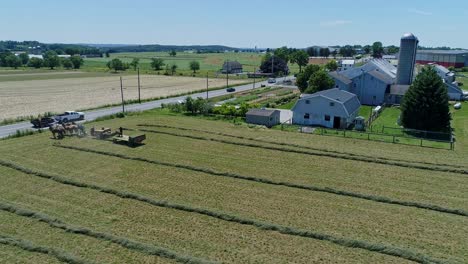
[
  {"x": 332, "y": 108},
  {"x": 264, "y": 117},
  {"x": 232, "y": 67}
]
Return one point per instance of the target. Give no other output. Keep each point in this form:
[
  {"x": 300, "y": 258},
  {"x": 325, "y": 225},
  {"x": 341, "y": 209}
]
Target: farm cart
[
  {"x": 102, "y": 133},
  {"x": 132, "y": 141}
]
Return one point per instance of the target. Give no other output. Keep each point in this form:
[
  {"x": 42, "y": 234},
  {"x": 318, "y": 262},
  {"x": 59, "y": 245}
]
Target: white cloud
[
  {"x": 420, "y": 12},
  {"x": 335, "y": 23}
]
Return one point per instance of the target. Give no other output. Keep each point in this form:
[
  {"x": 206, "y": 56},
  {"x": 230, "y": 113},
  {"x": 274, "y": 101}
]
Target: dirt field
[{"x": 23, "y": 98}]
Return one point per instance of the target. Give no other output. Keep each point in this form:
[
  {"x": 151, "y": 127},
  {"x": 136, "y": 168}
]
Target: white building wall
[{"x": 317, "y": 108}]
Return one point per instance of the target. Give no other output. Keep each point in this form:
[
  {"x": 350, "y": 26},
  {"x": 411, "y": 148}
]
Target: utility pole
[
  {"x": 255, "y": 77},
  {"x": 207, "y": 86},
  {"x": 227, "y": 74},
  {"x": 272, "y": 63},
  {"x": 121, "y": 93},
  {"x": 139, "y": 95}
]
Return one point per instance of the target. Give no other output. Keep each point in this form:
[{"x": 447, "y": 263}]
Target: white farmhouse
[{"x": 332, "y": 108}]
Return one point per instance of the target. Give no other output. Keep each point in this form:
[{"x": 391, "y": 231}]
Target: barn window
[
  {"x": 306, "y": 116},
  {"x": 307, "y": 101},
  {"x": 327, "y": 118},
  {"x": 332, "y": 104},
  {"x": 337, "y": 86},
  {"x": 355, "y": 85}
]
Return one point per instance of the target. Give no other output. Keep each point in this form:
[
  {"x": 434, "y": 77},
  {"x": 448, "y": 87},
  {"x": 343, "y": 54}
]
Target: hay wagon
[
  {"x": 129, "y": 140},
  {"x": 102, "y": 133}
]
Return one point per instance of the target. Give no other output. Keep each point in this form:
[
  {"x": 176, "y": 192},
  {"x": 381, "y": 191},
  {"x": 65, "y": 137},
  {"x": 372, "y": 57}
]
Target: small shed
[
  {"x": 264, "y": 117},
  {"x": 232, "y": 67}
]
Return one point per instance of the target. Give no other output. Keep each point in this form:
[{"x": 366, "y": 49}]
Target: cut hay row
[
  {"x": 373, "y": 198},
  {"x": 29, "y": 246},
  {"x": 124, "y": 242},
  {"x": 350, "y": 243},
  {"x": 300, "y": 146},
  {"x": 311, "y": 153}
]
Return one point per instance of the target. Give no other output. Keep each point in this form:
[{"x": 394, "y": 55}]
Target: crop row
[
  {"x": 351, "y": 243},
  {"x": 311, "y": 153},
  {"x": 124, "y": 242},
  {"x": 28, "y": 246},
  {"x": 374, "y": 198},
  {"x": 298, "y": 146}
]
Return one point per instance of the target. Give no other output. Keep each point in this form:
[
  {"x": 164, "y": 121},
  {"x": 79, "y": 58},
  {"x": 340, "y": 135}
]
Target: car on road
[
  {"x": 272, "y": 80},
  {"x": 230, "y": 90},
  {"x": 43, "y": 122},
  {"x": 69, "y": 116}
]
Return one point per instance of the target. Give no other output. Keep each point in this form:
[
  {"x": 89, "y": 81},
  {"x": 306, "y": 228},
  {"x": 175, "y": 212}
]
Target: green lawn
[
  {"x": 365, "y": 111},
  {"x": 388, "y": 118}
]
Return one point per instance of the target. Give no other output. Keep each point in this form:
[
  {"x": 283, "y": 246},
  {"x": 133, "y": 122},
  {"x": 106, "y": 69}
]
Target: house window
[
  {"x": 327, "y": 118},
  {"x": 332, "y": 104},
  {"x": 307, "y": 101},
  {"x": 306, "y": 116}
]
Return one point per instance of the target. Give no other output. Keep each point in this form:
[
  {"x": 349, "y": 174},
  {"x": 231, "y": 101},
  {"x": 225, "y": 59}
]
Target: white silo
[{"x": 407, "y": 59}]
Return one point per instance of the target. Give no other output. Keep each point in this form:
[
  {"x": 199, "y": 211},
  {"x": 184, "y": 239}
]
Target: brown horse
[
  {"x": 71, "y": 128},
  {"x": 57, "y": 131}
]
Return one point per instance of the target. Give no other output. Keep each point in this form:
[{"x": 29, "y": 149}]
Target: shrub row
[
  {"x": 374, "y": 198},
  {"x": 352, "y": 243},
  {"x": 124, "y": 242},
  {"x": 300, "y": 146},
  {"x": 320, "y": 154},
  {"x": 28, "y": 246}
]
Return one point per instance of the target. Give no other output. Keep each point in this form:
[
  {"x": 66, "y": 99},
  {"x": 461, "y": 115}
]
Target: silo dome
[{"x": 409, "y": 36}]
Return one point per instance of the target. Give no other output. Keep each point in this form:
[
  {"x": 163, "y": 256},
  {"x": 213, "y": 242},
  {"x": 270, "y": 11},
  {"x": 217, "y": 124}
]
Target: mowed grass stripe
[
  {"x": 125, "y": 242},
  {"x": 319, "y": 154},
  {"x": 299, "y": 146},
  {"x": 29, "y": 246},
  {"x": 351, "y": 243},
  {"x": 368, "y": 197}
]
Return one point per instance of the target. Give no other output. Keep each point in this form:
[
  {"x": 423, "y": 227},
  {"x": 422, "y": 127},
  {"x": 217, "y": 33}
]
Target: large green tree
[
  {"x": 13, "y": 61},
  {"x": 35, "y": 62},
  {"x": 377, "y": 49},
  {"x": 194, "y": 66},
  {"x": 279, "y": 66},
  {"x": 157, "y": 64},
  {"x": 77, "y": 61},
  {"x": 425, "y": 105},
  {"x": 24, "y": 57},
  {"x": 134, "y": 64},
  {"x": 332, "y": 65},
  {"x": 319, "y": 81},
  {"x": 282, "y": 53},
  {"x": 302, "y": 80},
  {"x": 67, "y": 63},
  {"x": 51, "y": 59},
  {"x": 117, "y": 65},
  {"x": 301, "y": 58}
]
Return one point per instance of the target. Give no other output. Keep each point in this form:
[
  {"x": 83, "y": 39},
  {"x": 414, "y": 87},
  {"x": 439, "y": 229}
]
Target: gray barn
[
  {"x": 263, "y": 117},
  {"x": 232, "y": 67}
]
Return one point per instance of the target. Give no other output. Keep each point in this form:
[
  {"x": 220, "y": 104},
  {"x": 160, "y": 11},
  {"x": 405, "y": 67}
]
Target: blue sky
[{"x": 237, "y": 23}]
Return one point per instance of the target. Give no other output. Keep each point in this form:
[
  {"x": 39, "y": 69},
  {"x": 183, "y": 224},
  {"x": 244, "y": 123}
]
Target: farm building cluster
[{"x": 375, "y": 83}]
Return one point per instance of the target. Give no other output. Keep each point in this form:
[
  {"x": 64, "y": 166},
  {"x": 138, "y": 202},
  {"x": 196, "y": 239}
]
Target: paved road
[{"x": 92, "y": 115}]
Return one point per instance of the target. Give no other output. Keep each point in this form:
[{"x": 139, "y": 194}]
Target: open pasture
[{"x": 203, "y": 191}]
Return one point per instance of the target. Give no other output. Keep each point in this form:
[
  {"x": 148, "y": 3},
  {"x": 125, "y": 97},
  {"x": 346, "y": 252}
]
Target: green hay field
[{"x": 202, "y": 191}]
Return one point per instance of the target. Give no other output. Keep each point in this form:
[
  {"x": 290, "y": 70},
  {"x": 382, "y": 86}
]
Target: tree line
[
  {"x": 50, "y": 60},
  {"x": 156, "y": 64}
]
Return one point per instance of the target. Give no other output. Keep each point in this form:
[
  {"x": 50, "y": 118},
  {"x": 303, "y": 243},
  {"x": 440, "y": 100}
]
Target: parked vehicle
[
  {"x": 272, "y": 80},
  {"x": 230, "y": 90},
  {"x": 69, "y": 116},
  {"x": 43, "y": 122}
]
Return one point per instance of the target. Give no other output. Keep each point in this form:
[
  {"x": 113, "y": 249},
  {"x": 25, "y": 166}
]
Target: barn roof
[
  {"x": 341, "y": 78},
  {"x": 261, "y": 112},
  {"x": 379, "y": 75},
  {"x": 349, "y": 100}
]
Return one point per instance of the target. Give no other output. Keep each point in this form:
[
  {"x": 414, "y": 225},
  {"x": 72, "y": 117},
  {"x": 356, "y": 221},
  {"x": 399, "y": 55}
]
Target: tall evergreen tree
[{"x": 426, "y": 103}]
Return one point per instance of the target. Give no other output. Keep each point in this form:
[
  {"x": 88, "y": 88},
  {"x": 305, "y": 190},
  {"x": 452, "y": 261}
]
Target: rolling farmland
[{"x": 203, "y": 191}]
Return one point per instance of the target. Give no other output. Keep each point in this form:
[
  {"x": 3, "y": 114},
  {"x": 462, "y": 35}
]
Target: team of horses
[{"x": 59, "y": 131}]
